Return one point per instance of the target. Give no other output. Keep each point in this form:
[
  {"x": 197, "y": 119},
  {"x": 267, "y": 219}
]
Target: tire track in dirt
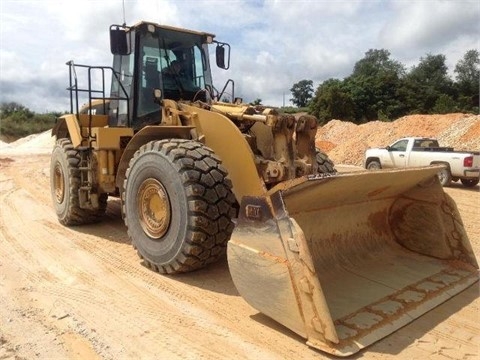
[
  {"x": 146, "y": 305},
  {"x": 77, "y": 296},
  {"x": 24, "y": 234},
  {"x": 145, "y": 282},
  {"x": 10, "y": 232}
]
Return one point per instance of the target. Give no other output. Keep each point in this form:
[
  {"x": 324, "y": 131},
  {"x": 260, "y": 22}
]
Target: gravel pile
[
  {"x": 41, "y": 143},
  {"x": 345, "y": 142}
]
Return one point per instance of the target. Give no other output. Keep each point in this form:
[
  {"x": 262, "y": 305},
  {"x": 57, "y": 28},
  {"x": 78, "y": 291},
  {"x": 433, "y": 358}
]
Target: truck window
[
  {"x": 425, "y": 143},
  {"x": 400, "y": 145}
]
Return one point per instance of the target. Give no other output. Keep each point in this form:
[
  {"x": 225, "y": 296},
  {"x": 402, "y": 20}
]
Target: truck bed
[{"x": 445, "y": 149}]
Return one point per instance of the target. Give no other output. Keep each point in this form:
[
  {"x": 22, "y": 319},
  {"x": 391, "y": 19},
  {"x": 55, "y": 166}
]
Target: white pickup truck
[{"x": 419, "y": 151}]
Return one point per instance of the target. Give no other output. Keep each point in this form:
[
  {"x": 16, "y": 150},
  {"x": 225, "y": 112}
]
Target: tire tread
[{"x": 207, "y": 190}]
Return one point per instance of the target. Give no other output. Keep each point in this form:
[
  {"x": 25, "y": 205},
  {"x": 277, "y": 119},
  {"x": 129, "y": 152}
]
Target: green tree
[
  {"x": 332, "y": 101},
  {"x": 374, "y": 85},
  {"x": 445, "y": 104},
  {"x": 302, "y": 92},
  {"x": 467, "y": 73},
  {"x": 425, "y": 83},
  {"x": 257, "y": 101},
  {"x": 17, "y": 121},
  {"x": 11, "y": 108}
]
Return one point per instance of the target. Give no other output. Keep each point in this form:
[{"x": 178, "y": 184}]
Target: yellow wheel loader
[{"x": 341, "y": 259}]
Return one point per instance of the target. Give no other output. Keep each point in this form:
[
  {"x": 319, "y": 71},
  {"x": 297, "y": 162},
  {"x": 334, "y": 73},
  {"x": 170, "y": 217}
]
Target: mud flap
[{"x": 346, "y": 260}]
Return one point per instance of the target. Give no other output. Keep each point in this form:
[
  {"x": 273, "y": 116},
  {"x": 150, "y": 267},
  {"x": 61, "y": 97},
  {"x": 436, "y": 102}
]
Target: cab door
[{"x": 398, "y": 153}]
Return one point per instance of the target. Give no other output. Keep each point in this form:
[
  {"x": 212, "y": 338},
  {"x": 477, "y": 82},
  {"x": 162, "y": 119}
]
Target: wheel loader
[{"x": 341, "y": 259}]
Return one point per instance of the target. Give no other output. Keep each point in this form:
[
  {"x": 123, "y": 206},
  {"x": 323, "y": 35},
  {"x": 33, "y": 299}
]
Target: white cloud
[
  {"x": 419, "y": 27},
  {"x": 275, "y": 43},
  {"x": 11, "y": 65}
]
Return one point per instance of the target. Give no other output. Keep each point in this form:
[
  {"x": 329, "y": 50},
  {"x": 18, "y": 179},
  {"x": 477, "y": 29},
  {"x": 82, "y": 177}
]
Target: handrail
[
  {"x": 225, "y": 87},
  {"x": 94, "y": 94}
]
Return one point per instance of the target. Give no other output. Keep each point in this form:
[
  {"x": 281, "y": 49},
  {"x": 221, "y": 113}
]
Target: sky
[{"x": 274, "y": 43}]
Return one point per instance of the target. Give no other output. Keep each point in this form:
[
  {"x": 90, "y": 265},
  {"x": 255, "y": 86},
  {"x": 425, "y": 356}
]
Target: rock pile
[{"x": 346, "y": 142}]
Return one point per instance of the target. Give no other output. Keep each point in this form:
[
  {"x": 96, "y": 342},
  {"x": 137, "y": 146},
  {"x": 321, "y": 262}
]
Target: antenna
[{"x": 123, "y": 5}]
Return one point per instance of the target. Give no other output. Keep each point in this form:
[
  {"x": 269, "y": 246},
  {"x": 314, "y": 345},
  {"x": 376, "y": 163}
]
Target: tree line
[
  {"x": 17, "y": 121},
  {"x": 381, "y": 88}
]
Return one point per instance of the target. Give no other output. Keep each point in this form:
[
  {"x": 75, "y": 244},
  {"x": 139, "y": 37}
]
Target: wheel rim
[
  {"x": 58, "y": 183},
  {"x": 153, "y": 208},
  {"x": 442, "y": 176}
]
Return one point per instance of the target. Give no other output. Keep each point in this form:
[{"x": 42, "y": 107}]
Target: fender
[
  {"x": 76, "y": 128},
  {"x": 145, "y": 135},
  {"x": 227, "y": 141}
]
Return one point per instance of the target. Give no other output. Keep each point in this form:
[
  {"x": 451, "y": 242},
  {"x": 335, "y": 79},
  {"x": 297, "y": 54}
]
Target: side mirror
[
  {"x": 387, "y": 148},
  {"x": 222, "y": 56},
  {"x": 119, "y": 44}
]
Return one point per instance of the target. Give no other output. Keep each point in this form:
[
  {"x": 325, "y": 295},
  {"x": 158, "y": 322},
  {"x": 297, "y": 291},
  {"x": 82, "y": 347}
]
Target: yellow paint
[
  {"x": 229, "y": 144},
  {"x": 109, "y": 138}
]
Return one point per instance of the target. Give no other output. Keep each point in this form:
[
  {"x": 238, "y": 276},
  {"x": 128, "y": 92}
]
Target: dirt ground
[{"x": 82, "y": 292}]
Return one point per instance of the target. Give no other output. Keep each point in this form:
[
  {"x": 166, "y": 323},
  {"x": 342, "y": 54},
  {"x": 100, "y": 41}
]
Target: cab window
[{"x": 400, "y": 145}]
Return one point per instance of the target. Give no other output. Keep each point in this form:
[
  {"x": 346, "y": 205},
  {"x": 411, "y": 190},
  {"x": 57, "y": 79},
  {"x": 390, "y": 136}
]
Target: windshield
[{"x": 174, "y": 62}]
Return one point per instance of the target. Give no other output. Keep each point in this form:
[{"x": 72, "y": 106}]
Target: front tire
[
  {"x": 445, "y": 177},
  {"x": 469, "y": 182},
  {"x": 178, "y": 205},
  {"x": 374, "y": 165},
  {"x": 65, "y": 185}
]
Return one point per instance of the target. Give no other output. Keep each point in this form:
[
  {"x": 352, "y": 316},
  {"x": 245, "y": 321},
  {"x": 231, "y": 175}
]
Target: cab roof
[{"x": 167, "y": 27}]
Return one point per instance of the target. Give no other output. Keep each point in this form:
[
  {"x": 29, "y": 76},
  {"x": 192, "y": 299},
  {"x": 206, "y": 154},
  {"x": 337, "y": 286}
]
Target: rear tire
[
  {"x": 64, "y": 185},
  {"x": 445, "y": 177},
  {"x": 178, "y": 205},
  {"x": 325, "y": 165},
  {"x": 469, "y": 182}
]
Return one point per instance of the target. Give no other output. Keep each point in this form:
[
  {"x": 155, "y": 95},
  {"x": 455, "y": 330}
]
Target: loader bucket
[{"x": 346, "y": 260}]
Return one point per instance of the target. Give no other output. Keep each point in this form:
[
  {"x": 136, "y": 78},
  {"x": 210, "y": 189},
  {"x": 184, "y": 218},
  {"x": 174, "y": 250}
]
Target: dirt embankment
[{"x": 345, "y": 142}]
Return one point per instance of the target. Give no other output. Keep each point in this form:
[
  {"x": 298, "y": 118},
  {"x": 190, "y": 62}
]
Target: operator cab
[{"x": 147, "y": 57}]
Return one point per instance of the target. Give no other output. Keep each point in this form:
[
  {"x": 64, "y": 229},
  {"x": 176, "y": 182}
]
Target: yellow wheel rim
[
  {"x": 58, "y": 183},
  {"x": 153, "y": 208}
]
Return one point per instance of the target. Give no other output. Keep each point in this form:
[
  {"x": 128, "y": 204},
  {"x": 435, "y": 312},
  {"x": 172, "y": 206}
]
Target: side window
[
  {"x": 121, "y": 88},
  {"x": 149, "y": 79},
  {"x": 400, "y": 145},
  {"x": 425, "y": 143},
  {"x": 199, "y": 78}
]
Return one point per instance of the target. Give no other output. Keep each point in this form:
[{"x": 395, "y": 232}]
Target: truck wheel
[
  {"x": 445, "y": 177},
  {"x": 469, "y": 182},
  {"x": 325, "y": 165},
  {"x": 374, "y": 165},
  {"x": 64, "y": 185},
  {"x": 178, "y": 205}
]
